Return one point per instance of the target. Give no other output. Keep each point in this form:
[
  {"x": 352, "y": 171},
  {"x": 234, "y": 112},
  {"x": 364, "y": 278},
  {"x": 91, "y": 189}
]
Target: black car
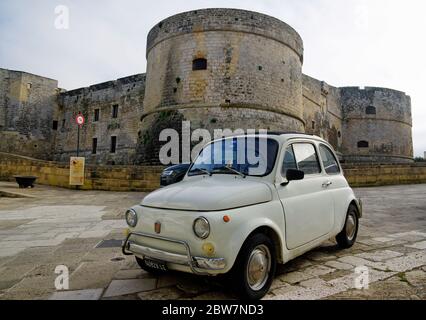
[{"x": 173, "y": 174}]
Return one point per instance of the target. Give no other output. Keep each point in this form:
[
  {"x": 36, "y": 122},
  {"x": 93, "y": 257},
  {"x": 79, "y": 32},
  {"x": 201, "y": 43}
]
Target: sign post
[
  {"x": 80, "y": 121},
  {"x": 77, "y": 163}
]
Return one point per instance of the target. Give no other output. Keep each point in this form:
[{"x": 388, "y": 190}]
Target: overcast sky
[{"x": 347, "y": 43}]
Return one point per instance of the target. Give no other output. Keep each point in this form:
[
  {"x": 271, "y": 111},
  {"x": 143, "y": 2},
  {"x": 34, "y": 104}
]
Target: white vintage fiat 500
[{"x": 246, "y": 203}]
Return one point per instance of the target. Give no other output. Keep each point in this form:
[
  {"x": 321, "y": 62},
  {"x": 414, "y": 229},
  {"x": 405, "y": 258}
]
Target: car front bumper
[{"x": 197, "y": 265}]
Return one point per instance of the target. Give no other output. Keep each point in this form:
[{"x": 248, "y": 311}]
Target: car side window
[
  {"x": 329, "y": 162},
  {"x": 306, "y": 158},
  {"x": 289, "y": 160}
]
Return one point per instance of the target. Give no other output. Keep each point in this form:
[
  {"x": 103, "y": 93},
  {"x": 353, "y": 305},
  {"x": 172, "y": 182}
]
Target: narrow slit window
[
  {"x": 363, "y": 144},
  {"x": 113, "y": 144},
  {"x": 115, "y": 111},
  {"x": 96, "y": 115},
  {"x": 199, "y": 64},
  {"x": 370, "y": 110},
  {"x": 94, "y": 145},
  {"x": 55, "y": 125}
]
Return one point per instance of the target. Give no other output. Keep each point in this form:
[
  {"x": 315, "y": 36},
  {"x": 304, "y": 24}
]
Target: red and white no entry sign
[{"x": 79, "y": 119}]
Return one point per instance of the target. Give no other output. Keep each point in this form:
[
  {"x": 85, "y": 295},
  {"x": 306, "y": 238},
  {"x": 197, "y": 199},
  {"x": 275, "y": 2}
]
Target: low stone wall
[
  {"x": 368, "y": 174},
  {"x": 146, "y": 178},
  {"x": 97, "y": 177}
]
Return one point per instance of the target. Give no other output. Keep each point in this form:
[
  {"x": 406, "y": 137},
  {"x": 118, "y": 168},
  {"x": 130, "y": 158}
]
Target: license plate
[{"x": 156, "y": 264}]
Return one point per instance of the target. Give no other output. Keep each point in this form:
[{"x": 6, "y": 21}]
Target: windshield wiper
[
  {"x": 230, "y": 169},
  {"x": 202, "y": 170}
]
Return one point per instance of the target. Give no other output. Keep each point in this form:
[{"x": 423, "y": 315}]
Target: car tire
[
  {"x": 257, "y": 251},
  {"x": 347, "y": 237},
  {"x": 149, "y": 269}
]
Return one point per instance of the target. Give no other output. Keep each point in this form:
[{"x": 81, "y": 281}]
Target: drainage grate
[{"x": 111, "y": 243}]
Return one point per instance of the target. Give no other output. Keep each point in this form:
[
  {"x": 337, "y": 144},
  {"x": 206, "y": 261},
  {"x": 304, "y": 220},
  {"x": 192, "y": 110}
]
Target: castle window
[
  {"x": 313, "y": 124},
  {"x": 96, "y": 115},
  {"x": 362, "y": 144},
  {"x": 55, "y": 125},
  {"x": 113, "y": 144},
  {"x": 339, "y": 134},
  {"x": 115, "y": 111},
  {"x": 370, "y": 110},
  {"x": 94, "y": 145},
  {"x": 63, "y": 123},
  {"x": 29, "y": 85},
  {"x": 199, "y": 64}
]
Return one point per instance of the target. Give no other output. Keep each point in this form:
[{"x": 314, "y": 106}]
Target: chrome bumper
[{"x": 194, "y": 263}]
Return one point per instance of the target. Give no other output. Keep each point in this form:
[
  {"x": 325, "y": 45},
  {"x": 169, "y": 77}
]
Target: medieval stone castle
[{"x": 218, "y": 68}]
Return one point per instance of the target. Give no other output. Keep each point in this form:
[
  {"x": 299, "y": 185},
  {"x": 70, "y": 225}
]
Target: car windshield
[{"x": 252, "y": 156}]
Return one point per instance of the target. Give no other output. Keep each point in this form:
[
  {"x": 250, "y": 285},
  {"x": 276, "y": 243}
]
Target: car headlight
[
  {"x": 131, "y": 218},
  {"x": 201, "y": 227}
]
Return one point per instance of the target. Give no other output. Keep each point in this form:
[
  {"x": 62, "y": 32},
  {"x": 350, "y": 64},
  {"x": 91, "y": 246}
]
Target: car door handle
[{"x": 327, "y": 184}]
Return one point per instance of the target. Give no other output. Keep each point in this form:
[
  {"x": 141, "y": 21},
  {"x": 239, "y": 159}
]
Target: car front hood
[{"x": 204, "y": 193}]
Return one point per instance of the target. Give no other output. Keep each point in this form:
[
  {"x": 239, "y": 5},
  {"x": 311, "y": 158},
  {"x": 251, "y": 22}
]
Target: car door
[
  {"x": 337, "y": 184},
  {"x": 308, "y": 204}
]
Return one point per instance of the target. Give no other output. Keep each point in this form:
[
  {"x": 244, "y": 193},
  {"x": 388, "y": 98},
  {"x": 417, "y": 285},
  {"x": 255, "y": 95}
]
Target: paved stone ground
[{"x": 47, "y": 227}]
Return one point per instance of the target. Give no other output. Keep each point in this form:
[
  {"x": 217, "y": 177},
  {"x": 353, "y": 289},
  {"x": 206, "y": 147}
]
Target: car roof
[{"x": 280, "y": 136}]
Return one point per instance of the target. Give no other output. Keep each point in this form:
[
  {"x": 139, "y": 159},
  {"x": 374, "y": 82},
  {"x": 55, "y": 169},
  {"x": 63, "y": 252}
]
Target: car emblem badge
[{"x": 157, "y": 226}]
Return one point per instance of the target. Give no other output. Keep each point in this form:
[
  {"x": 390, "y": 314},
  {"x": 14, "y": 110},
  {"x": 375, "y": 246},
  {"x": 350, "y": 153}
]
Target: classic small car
[{"x": 241, "y": 218}]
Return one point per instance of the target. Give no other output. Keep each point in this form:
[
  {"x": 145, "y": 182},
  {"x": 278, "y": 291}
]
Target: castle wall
[
  {"x": 27, "y": 105},
  {"x": 4, "y": 92},
  {"x": 380, "y": 117},
  {"x": 126, "y": 93},
  {"x": 253, "y": 77},
  {"x": 321, "y": 111},
  {"x": 252, "y": 80}
]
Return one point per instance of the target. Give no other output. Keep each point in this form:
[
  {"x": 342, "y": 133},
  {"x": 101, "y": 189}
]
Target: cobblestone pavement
[{"x": 46, "y": 227}]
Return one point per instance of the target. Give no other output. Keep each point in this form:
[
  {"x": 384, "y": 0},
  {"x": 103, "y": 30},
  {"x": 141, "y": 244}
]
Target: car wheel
[
  {"x": 347, "y": 237},
  {"x": 254, "y": 269},
  {"x": 144, "y": 266}
]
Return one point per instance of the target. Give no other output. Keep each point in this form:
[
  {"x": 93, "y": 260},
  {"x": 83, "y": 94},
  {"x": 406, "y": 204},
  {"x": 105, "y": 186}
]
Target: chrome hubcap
[
  {"x": 258, "y": 267},
  {"x": 351, "y": 226}
]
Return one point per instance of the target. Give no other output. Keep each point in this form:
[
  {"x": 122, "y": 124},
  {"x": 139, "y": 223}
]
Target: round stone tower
[
  {"x": 376, "y": 125},
  {"x": 222, "y": 68}
]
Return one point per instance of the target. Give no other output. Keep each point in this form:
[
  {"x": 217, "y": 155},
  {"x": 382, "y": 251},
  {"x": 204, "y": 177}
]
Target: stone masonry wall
[
  {"x": 126, "y": 93},
  {"x": 27, "y": 105},
  {"x": 381, "y": 174},
  {"x": 322, "y": 111},
  {"x": 381, "y": 117},
  {"x": 97, "y": 177},
  {"x": 253, "y": 78},
  {"x": 146, "y": 178}
]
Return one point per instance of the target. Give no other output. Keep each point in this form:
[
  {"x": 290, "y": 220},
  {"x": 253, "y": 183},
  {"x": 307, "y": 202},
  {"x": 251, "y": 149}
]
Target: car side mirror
[{"x": 293, "y": 175}]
